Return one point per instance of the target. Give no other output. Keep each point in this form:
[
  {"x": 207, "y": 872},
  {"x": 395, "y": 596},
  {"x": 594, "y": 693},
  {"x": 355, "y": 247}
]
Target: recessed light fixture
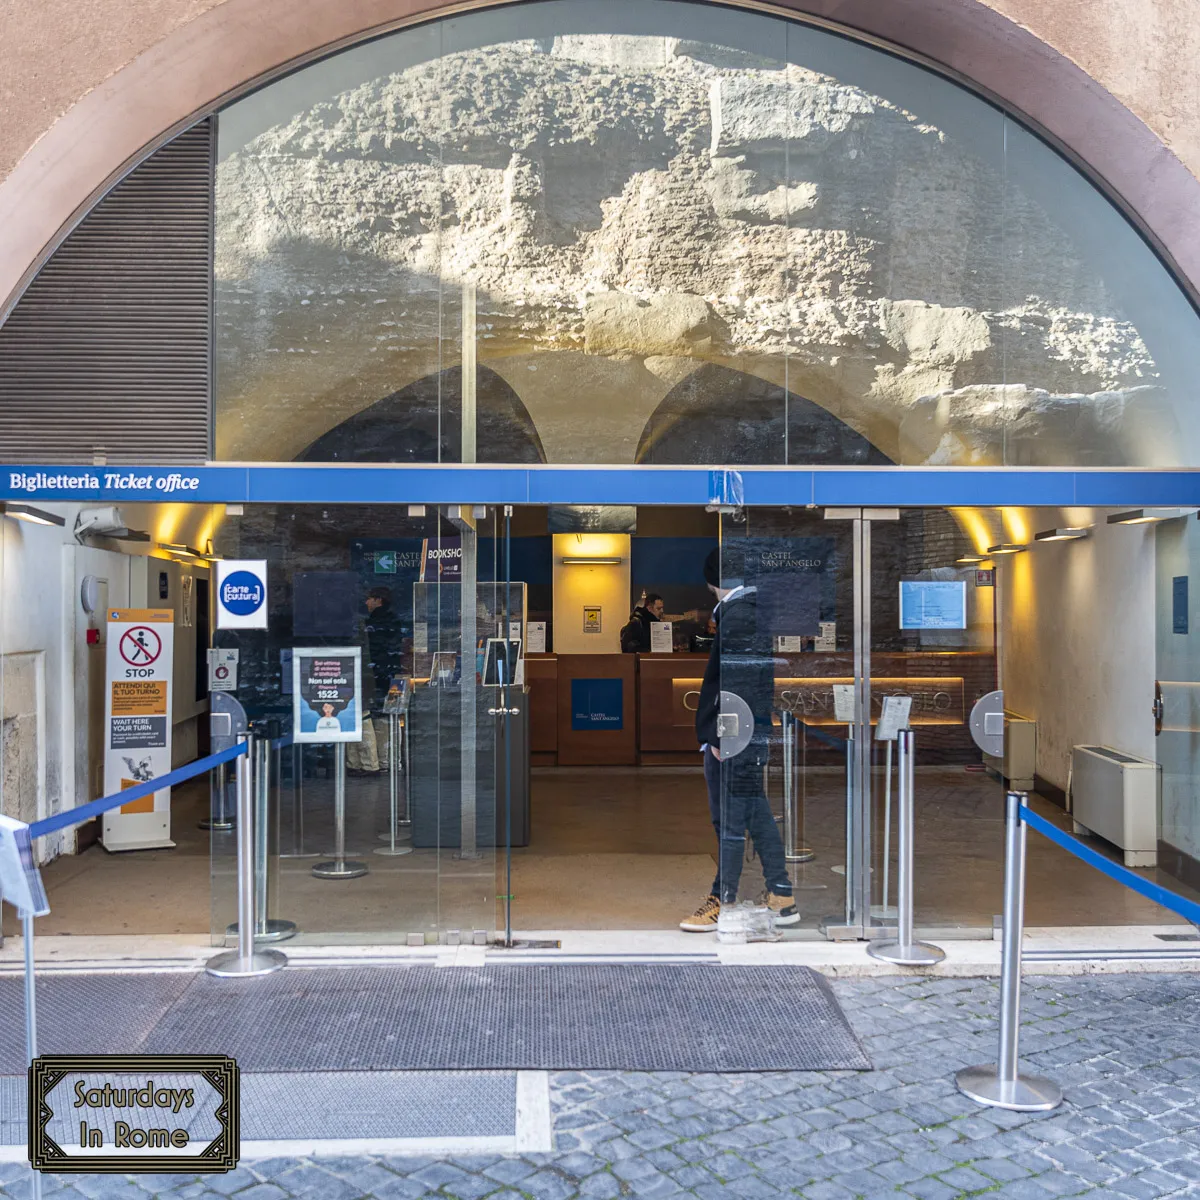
[
  {"x": 591, "y": 560},
  {"x": 1007, "y": 548},
  {"x": 26, "y": 512},
  {"x": 1068, "y": 534},
  {"x": 1143, "y": 516}
]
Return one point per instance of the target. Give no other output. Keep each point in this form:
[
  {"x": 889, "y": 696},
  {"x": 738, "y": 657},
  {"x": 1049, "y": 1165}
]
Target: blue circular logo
[{"x": 242, "y": 593}]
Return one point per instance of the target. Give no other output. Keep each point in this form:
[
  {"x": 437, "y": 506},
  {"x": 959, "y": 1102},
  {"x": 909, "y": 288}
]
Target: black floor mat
[{"x": 521, "y": 1017}]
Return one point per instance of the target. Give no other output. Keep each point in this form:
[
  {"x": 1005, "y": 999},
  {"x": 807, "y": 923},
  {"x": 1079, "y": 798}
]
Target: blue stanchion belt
[
  {"x": 85, "y": 812},
  {"x": 1188, "y": 909}
]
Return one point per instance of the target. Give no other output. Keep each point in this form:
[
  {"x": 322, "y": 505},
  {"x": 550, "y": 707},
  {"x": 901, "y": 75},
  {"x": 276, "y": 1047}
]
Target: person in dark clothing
[
  {"x": 740, "y": 662},
  {"x": 382, "y": 661},
  {"x": 635, "y": 637}
]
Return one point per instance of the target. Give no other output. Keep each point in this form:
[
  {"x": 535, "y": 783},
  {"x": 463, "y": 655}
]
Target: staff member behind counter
[{"x": 635, "y": 637}]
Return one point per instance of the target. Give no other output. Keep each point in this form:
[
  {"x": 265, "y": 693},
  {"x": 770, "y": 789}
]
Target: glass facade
[{"x": 659, "y": 232}]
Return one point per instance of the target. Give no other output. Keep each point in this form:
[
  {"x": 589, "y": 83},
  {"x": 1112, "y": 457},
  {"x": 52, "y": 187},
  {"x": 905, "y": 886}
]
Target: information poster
[
  {"x": 222, "y": 670},
  {"x": 537, "y": 637},
  {"x": 139, "y": 660},
  {"x": 591, "y": 620},
  {"x": 661, "y": 637},
  {"x": 327, "y": 693},
  {"x": 933, "y": 604}
]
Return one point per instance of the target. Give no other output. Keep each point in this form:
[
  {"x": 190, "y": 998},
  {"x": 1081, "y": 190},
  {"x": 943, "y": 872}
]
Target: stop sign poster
[
  {"x": 327, "y": 694},
  {"x": 137, "y": 724}
]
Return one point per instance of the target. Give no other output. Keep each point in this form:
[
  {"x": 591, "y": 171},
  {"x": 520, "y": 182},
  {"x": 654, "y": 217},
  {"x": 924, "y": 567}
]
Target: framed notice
[
  {"x": 327, "y": 693},
  {"x": 661, "y": 637},
  {"x": 139, "y": 665},
  {"x": 591, "y": 619},
  {"x": 933, "y": 604}
]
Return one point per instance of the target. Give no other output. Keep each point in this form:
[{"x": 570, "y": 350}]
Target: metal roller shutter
[{"x": 108, "y": 355}]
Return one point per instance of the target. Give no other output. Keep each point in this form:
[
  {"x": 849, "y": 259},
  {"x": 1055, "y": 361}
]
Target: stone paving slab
[{"x": 1126, "y": 1049}]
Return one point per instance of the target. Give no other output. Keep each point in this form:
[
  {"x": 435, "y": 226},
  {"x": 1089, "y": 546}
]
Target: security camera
[{"x": 106, "y": 521}]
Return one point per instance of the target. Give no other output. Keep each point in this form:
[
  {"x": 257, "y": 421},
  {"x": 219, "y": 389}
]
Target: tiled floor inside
[{"x": 612, "y": 848}]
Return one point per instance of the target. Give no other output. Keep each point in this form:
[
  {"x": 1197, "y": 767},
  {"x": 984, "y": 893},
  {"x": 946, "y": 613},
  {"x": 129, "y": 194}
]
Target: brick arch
[{"x": 238, "y": 44}]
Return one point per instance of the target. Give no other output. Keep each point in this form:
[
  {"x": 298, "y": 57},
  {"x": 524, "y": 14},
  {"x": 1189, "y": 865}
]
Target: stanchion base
[
  {"x": 216, "y": 826},
  {"x": 392, "y": 851},
  {"x": 231, "y": 964},
  {"x": 1026, "y": 1093},
  {"x": 346, "y": 869},
  {"x": 276, "y": 931},
  {"x": 800, "y": 856},
  {"x": 919, "y": 954},
  {"x": 303, "y": 854},
  {"x": 401, "y": 835}
]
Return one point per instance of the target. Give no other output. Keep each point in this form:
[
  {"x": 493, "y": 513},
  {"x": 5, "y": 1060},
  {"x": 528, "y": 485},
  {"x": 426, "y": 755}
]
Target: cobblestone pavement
[{"x": 1126, "y": 1049}]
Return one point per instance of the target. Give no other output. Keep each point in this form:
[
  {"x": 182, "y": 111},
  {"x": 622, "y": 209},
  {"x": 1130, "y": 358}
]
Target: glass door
[{"x": 815, "y": 637}]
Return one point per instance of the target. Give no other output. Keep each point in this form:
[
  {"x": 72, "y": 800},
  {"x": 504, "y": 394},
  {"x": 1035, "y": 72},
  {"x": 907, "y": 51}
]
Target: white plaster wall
[
  {"x": 1078, "y": 635},
  {"x": 41, "y": 619}
]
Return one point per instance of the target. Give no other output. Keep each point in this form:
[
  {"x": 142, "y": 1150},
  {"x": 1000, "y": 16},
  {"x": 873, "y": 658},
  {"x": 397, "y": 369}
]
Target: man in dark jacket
[
  {"x": 382, "y": 660},
  {"x": 740, "y": 662},
  {"x": 635, "y": 637}
]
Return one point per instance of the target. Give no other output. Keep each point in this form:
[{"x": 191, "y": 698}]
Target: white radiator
[{"x": 1115, "y": 796}]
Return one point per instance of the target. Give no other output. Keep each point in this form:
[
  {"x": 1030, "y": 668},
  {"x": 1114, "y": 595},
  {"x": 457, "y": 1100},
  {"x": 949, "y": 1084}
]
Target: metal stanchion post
[
  {"x": 266, "y": 927},
  {"x": 406, "y": 820},
  {"x": 1001, "y": 1086},
  {"x": 297, "y": 850},
  {"x": 391, "y": 849},
  {"x": 903, "y": 950},
  {"x": 221, "y": 820},
  {"x": 30, "y": 1017},
  {"x": 793, "y": 824},
  {"x": 339, "y": 868},
  {"x": 246, "y": 960}
]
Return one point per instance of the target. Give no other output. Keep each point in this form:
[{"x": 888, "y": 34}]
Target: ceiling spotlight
[
  {"x": 1007, "y": 548},
  {"x": 26, "y": 512},
  {"x": 1143, "y": 516},
  {"x": 1069, "y": 534}
]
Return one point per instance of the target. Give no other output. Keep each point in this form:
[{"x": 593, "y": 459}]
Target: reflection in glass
[{"x": 660, "y": 232}]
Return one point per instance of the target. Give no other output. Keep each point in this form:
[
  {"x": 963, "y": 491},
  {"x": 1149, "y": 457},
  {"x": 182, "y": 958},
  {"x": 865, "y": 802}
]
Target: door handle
[{"x": 1157, "y": 708}]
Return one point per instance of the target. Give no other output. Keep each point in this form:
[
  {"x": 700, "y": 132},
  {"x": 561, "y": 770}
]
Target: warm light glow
[
  {"x": 1144, "y": 516},
  {"x": 35, "y": 516},
  {"x": 1066, "y": 534},
  {"x": 1016, "y": 524},
  {"x": 975, "y": 525}
]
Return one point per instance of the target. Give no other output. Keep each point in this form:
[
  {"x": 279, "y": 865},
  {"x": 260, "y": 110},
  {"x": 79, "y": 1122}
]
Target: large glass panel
[
  {"x": 658, "y": 232},
  {"x": 785, "y": 630},
  {"x": 413, "y": 594}
]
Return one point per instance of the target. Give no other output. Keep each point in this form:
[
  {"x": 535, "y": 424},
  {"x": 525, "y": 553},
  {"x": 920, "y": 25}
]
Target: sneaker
[
  {"x": 704, "y": 919},
  {"x": 783, "y": 908}
]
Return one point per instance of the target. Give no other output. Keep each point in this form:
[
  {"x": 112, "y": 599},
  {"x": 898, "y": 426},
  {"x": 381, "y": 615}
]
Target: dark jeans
[{"x": 738, "y": 805}]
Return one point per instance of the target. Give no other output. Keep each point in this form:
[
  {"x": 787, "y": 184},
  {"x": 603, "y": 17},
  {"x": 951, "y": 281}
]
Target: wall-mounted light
[
  {"x": 175, "y": 548},
  {"x": 1007, "y": 548},
  {"x": 969, "y": 560},
  {"x": 26, "y": 512},
  {"x": 1067, "y": 534},
  {"x": 1143, "y": 516},
  {"x": 591, "y": 560}
]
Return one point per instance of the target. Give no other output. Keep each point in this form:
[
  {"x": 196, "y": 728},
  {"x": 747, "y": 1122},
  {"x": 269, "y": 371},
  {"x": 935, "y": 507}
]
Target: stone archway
[{"x": 160, "y": 84}]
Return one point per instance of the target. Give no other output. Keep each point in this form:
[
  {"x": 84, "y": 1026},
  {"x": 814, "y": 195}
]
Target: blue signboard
[
  {"x": 933, "y": 604},
  {"x": 597, "y": 704},
  {"x": 1179, "y": 604}
]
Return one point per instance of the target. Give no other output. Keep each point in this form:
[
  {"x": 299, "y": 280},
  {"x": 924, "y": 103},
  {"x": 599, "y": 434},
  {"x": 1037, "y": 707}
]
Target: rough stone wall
[{"x": 626, "y": 208}]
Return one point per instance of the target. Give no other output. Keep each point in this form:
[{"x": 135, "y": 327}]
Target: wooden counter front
[
  {"x": 666, "y": 703},
  {"x": 541, "y": 678},
  {"x": 597, "y": 746}
]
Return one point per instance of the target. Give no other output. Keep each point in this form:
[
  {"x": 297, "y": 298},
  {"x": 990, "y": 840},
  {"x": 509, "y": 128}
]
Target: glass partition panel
[{"x": 659, "y": 232}]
